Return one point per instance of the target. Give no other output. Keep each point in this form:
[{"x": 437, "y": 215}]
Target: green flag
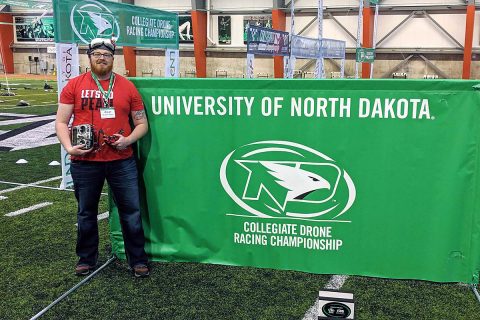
[
  {"x": 82, "y": 21},
  {"x": 28, "y": 4}
]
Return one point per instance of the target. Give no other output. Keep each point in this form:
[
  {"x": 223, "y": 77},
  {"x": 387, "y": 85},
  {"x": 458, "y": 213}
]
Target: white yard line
[
  {"x": 335, "y": 283},
  {"x": 19, "y": 115},
  {"x": 25, "y": 94},
  {"x": 23, "y": 186},
  {"x": 16, "y": 100},
  {"x": 100, "y": 217},
  {"x": 3, "y": 197},
  {"x": 16, "y": 84},
  {"x": 28, "y": 120},
  {"x": 21, "y": 107},
  {"x": 25, "y": 210}
]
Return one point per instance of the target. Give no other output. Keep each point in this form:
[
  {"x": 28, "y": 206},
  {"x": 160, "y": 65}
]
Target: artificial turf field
[{"x": 37, "y": 250}]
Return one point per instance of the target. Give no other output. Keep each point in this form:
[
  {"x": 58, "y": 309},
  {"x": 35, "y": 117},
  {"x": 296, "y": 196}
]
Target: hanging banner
[
  {"x": 68, "y": 64},
  {"x": 365, "y": 55},
  {"x": 257, "y": 21},
  {"x": 375, "y": 178},
  {"x": 303, "y": 47},
  {"x": 172, "y": 63},
  {"x": 32, "y": 4},
  {"x": 333, "y": 49},
  {"x": 81, "y": 21},
  {"x": 269, "y": 42}
]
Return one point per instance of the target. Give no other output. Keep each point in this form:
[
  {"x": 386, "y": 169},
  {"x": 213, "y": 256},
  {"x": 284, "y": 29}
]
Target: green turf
[
  {"x": 44, "y": 245},
  {"x": 36, "y": 109},
  {"x": 36, "y": 169},
  {"x": 38, "y": 159},
  {"x": 407, "y": 299},
  {"x": 20, "y": 84},
  {"x": 41, "y": 102},
  {"x": 40, "y": 258},
  {"x": 38, "y": 250},
  {"x": 12, "y": 126},
  {"x": 194, "y": 291}
]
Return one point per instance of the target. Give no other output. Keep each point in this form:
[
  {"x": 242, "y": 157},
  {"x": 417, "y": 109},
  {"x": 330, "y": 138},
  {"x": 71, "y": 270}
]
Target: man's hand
[
  {"x": 78, "y": 151},
  {"x": 122, "y": 142}
]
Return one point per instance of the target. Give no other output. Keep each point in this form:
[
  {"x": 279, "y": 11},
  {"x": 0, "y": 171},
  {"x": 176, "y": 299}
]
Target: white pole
[
  {"x": 475, "y": 291},
  {"x": 374, "y": 45},
  {"x": 292, "y": 32},
  {"x": 290, "y": 61},
  {"x": 292, "y": 17},
  {"x": 359, "y": 32},
  {"x": 342, "y": 68},
  {"x": 319, "y": 69}
]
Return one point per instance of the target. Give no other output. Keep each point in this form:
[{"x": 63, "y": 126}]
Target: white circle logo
[
  {"x": 286, "y": 179},
  {"x": 91, "y": 19}
]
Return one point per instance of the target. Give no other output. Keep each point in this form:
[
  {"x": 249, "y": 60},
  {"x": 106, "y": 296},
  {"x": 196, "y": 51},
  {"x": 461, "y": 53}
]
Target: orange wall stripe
[
  {"x": 279, "y": 21},
  {"x": 367, "y": 37},
  {"x": 199, "y": 25},
  {"x": 130, "y": 61},
  {"x": 6, "y": 39},
  {"x": 467, "y": 51}
]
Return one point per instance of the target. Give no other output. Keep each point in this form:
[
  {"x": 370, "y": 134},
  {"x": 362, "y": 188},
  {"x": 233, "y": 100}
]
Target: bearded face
[{"x": 101, "y": 62}]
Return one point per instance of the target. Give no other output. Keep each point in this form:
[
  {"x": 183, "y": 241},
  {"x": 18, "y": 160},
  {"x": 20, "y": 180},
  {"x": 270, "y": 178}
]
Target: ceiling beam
[
  {"x": 199, "y": 5},
  {"x": 278, "y": 4}
]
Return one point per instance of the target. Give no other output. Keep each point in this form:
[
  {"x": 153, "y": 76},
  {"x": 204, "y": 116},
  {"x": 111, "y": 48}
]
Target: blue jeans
[{"x": 122, "y": 177}]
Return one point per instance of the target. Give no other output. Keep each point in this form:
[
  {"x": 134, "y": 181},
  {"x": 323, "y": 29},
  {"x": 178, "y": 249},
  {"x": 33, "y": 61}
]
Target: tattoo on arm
[{"x": 139, "y": 115}]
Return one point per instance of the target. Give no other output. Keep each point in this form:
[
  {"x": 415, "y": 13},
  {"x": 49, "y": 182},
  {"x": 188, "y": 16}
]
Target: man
[{"x": 102, "y": 103}]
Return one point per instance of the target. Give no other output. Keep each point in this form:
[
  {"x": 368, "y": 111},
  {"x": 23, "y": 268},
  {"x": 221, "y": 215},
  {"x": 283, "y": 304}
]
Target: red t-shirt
[{"x": 83, "y": 93}]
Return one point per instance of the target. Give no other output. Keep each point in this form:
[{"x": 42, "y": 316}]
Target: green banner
[
  {"x": 365, "y": 55},
  {"x": 376, "y": 178},
  {"x": 45, "y": 4},
  {"x": 82, "y": 21}
]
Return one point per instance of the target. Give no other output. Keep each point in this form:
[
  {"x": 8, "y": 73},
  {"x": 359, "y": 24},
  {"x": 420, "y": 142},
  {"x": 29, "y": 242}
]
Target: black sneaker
[{"x": 141, "y": 271}]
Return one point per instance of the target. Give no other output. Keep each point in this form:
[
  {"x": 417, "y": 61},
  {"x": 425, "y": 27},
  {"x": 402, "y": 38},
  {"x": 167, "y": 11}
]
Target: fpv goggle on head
[{"x": 99, "y": 43}]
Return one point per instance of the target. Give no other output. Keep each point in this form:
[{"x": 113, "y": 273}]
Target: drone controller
[{"x": 83, "y": 134}]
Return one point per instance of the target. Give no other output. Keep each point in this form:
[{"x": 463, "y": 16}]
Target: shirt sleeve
[
  {"x": 68, "y": 96},
  {"x": 136, "y": 102}
]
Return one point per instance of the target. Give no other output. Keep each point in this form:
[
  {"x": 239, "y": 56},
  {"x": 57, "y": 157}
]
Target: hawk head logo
[
  {"x": 91, "y": 19},
  {"x": 101, "y": 22},
  {"x": 286, "y": 179}
]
